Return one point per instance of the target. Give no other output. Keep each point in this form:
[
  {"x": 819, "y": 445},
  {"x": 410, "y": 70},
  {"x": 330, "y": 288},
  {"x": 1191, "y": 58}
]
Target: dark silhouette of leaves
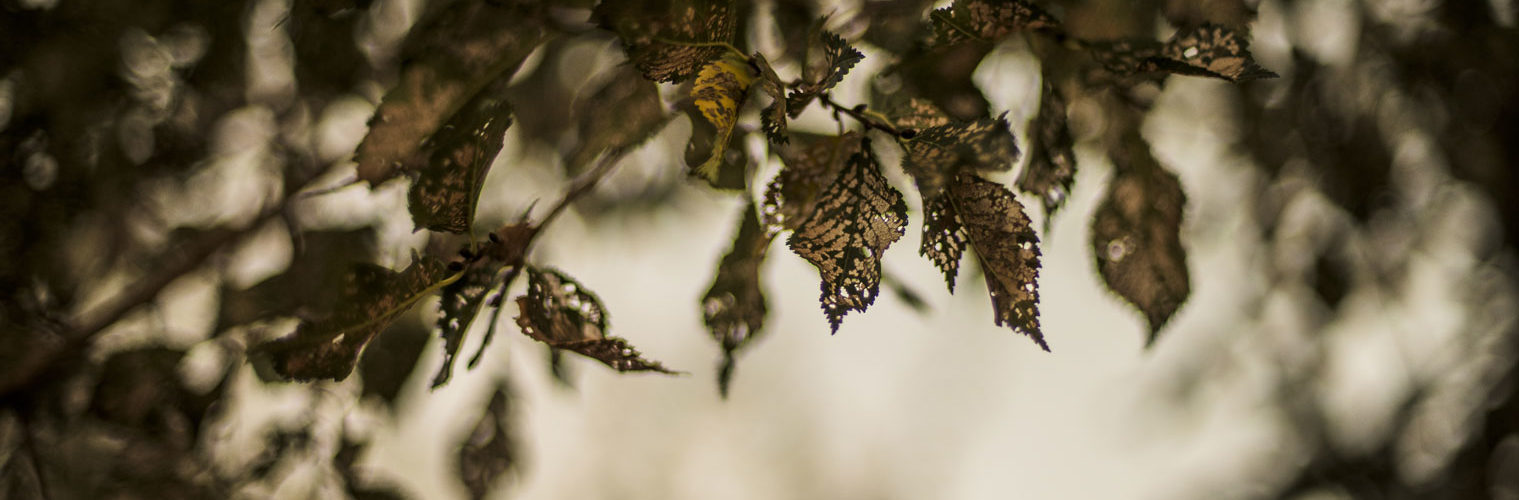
[
  {"x": 622, "y": 113},
  {"x": 986, "y": 21},
  {"x": 773, "y": 118},
  {"x": 560, "y": 312},
  {"x": 811, "y": 165},
  {"x": 1052, "y": 163},
  {"x": 1207, "y": 50},
  {"x": 855, "y": 219},
  {"x": 392, "y": 356},
  {"x": 734, "y": 307},
  {"x": 988, "y": 217},
  {"x": 718, "y": 94},
  {"x": 669, "y": 40},
  {"x": 461, "y": 302},
  {"x": 834, "y": 61},
  {"x": 321, "y": 264},
  {"x": 1136, "y": 234},
  {"x": 447, "y": 188},
  {"x": 489, "y": 451},
  {"x": 936, "y": 154},
  {"x": 372, "y": 298},
  {"x": 457, "y": 53}
]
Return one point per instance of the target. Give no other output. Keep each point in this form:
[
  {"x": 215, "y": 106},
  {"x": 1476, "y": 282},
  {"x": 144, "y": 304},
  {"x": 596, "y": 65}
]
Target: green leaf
[
  {"x": 489, "y": 450},
  {"x": 773, "y": 119},
  {"x": 444, "y": 195},
  {"x": 988, "y": 217},
  {"x": 719, "y": 92},
  {"x": 622, "y": 113},
  {"x": 669, "y": 40},
  {"x": 936, "y": 154},
  {"x": 558, "y": 311},
  {"x": 820, "y": 74},
  {"x": 811, "y": 165},
  {"x": 372, "y": 298},
  {"x": 734, "y": 307},
  {"x": 453, "y": 56},
  {"x": 1136, "y": 234},
  {"x": 986, "y": 21},
  {"x": 855, "y": 219},
  {"x": 1052, "y": 163}
]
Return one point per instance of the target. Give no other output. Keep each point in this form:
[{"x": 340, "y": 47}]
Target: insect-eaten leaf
[
  {"x": 622, "y": 113},
  {"x": 447, "y": 188},
  {"x": 454, "y": 56},
  {"x": 734, "y": 307},
  {"x": 462, "y": 300},
  {"x": 773, "y": 118},
  {"x": 1052, "y": 163},
  {"x": 824, "y": 69},
  {"x": 669, "y": 40},
  {"x": 987, "y": 216},
  {"x": 489, "y": 451},
  {"x": 986, "y": 21},
  {"x": 854, "y": 220},
  {"x": 372, "y": 298},
  {"x": 1136, "y": 234},
  {"x": 1207, "y": 50},
  {"x": 936, "y": 154},
  {"x": 719, "y": 92},
  {"x": 558, "y": 311},
  {"x": 811, "y": 163}
]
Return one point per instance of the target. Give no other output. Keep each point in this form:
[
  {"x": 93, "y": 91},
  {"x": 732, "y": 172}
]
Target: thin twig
[{"x": 861, "y": 115}]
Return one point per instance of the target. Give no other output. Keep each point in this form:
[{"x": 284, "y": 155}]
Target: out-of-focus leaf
[
  {"x": 669, "y": 40},
  {"x": 917, "y": 114},
  {"x": 773, "y": 118},
  {"x": 142, "y": 389},
  {"x": 986, "y": 21},
  {"x": 811, "y": 165},
  {"x": 560, "y": 312},
  {"x": 719, "y": 91},
  {"x": 834, "y": 61},
  {"x": 1207, "y": 50},
  {"x": 1136, "y": 234},
  {"x": 328, "y": 60},
  {"x": 942, "y": 75},
  {"x": 734, "y": 307},
  {"x": 936, "y": 154},
  {"x": 855, "y": 219},
  {"x": 489, "y": 451},
  {"x": 320, "y": 265},
  {"x": 392, "y": 357},
  {"x": 1052, "y": 163},
  {"x": 623, "y": 113},
  {"x": 452, "y": 57},
  {"x": 895, "y": 25},
  {"x": 446, "y": 190},
  {"x": 988, "y": 217},
  {"x": 372, "y": 298}
]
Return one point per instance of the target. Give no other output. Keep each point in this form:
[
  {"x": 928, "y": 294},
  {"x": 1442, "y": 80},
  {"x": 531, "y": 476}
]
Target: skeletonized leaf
[
  {"x": 447, "y": 188},
  {"x": 773, "y": 119},
  {"x": 986, "y": 21},
  {"x": 1136, "y": 236},
  {"x": 560, "y": 312},
  {"x": 1052, "y": 163},
  {"x": 624, "y": 112},
  {"x": 855, "y": 219},
  {"x": 734, "y": 307},
  {"x": 811, "y": 165},
  {"x": 943, "y": 238},
  {"x": 917, "y": 114},
  {"x": 488, "y": 452},
  {"x": 834, "y": 61},
  {"x": 992, "y": 221},
  {"x": 372, "y": 298},
  {"x": 669, "y": 40},
  {"x": 468, "y": 45},
  {"x": 719, "y": 91},
  {"x": 1212, "y": 50},
  {"x": 936, "y": 154}
]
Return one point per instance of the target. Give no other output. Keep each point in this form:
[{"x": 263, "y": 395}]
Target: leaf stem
[{"x": 870, "y": 119}]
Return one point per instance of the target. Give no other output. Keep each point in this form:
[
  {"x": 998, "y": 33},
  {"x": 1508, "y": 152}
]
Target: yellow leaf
[{"x": 720, "y": 89}]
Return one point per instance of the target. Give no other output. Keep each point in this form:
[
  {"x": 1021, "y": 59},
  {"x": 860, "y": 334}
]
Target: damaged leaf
[
  {"x": 822, "y": 72},
  {"x": 811, "y": 165},
  {"x": 734, "y": 307},
  {"x": 855, "y": 219},
  {"x": 669, "y": 40},
  {"x": 489, "y": 451},
  {"x": 1207, "y": 50},
  {"x": 461, "y": 302},
  {"x": 444, "y": 195},
  {"x": 986, "y": 21},
  {"x": 623, "y": 113},
  {"x": 936, "y": 154},
  {"x": 719, "y": 91},
  {"x": 773, "y": 118},
  {"x": 561, "y": 313},
  {"x": 1052, "y": 163}
]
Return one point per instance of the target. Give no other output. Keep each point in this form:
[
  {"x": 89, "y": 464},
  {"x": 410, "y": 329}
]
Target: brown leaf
[
  {"x": 1052, "y": 163},
  {"x": 773, "y": 119},
  {"x": 936, "y": 154},
  {"x": 461, "y": 302},
  {"x": 855, "y": 219},
  {"x": 669, "y": 40},
  {"x": 986, "y": 21},
  {"x": 563, "y": 314},
  {"x": 834, "y": 60},
  {"x": 447, "y": 188},
  {"x": 734, "y": 307},
  {"x": 1212, "y": 50},
  {"x": 1136, "y": 234},
  {"x": 622, "y": 113},
  {"x": 489, "y": 451},
  {"x": 811, "y": 165}
]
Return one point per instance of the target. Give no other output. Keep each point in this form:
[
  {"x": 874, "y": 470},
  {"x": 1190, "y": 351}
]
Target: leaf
[
  {"x": 560, "y": 312},
  {"x": 321, "y": 263},
  {"x": 810, "y": 168},
  {"x": 453, "y": 57},
  {"x": 936, "y": 154},
  {"x": 1136, "y": 234},
  {"x": 489, "y": 451},
  {"x": 988, "y": 217},
  {"x": 391, "y": 358},
  {"x": 734, "y": 307},
  {"x": 461, "y": 302},
  {"x": 1052, "y": 163},
  {"x": 986, "y": 21},
  {"x": 669, "y": 40},
  {"x": 1212, "y": 50},
  {"x": 856, "y": 218},
  {"x": 835, "y": 60},
  {"x": 622, "y": 113},
  {"x": 773, "y": 119},
  {"x": 719, "y": 91},
  {"x": 447, "y": 189},
  {"x": 372, "y": 298}
]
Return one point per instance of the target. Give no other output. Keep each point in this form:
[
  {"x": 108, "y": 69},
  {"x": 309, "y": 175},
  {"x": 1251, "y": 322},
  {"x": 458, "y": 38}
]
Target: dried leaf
[
  {"x": 468, "y": 45},
  {"x": 936, "y": 154},
  {"x": 1212, "y": 50},
  {"x": 623, "y": 113},
  {"x": 719, "y": 91},
  {"x": 489, "y": 451},
  {"x": 986, "y": 21},
  {"x": 322, "y": 263},
  {"x": 372, "y": 298},
  {"x": 444, "y": 195},
  {"x": 734, "y": 307},
  {"x": 990, "y": 218},
  {"x": 834, "y": 61},
  {"x": 855, "y": 219},
  {"x": 1052, "y": 163},
  {"x": 669, "y": 40},
  {"x": 811, "y": 166},
  {"x": 943, "y": 238},
  {"x": 392, "y": 356},
  {"x": 917, "y": 114},
  {"x": 461, "y": 302},
  {"x": 1136, "y": 234},
  {"x": 773, "y": 119},
  {"x": 563, "y": 314}
]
